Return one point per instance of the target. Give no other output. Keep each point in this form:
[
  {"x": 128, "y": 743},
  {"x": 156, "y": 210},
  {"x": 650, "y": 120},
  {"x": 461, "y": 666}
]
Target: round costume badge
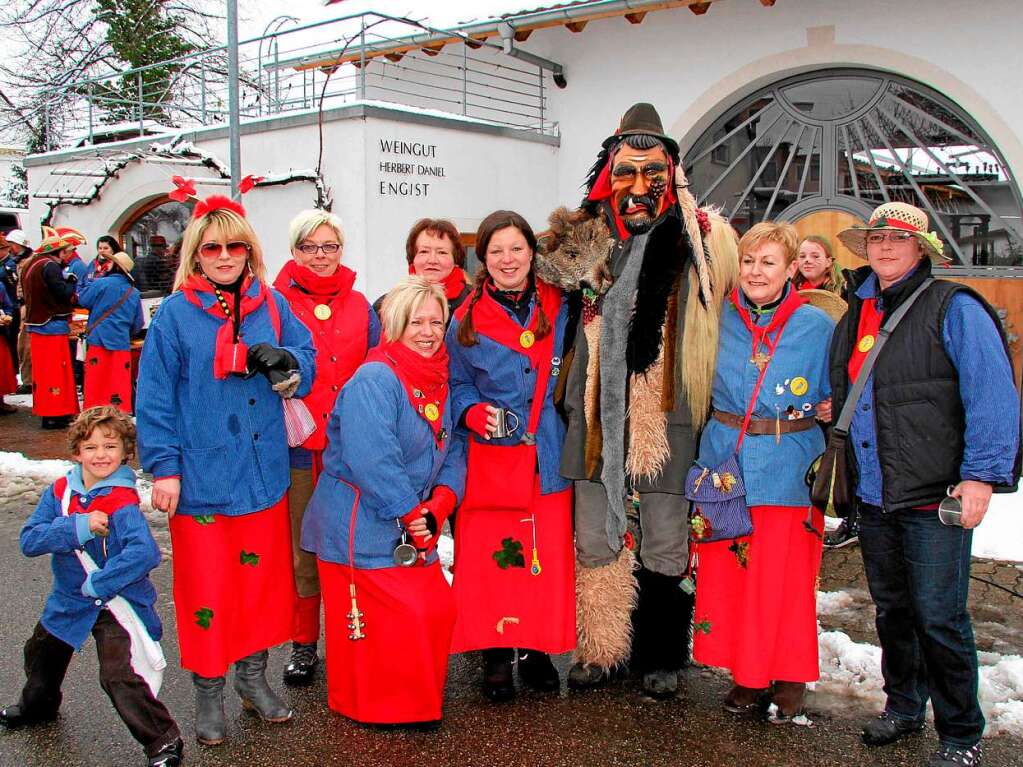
[
  {"x": 799, "y": 386},
  {"x": 866, "y": 344},
  {"x": 431, "y": 412},
  {"x": 322, "y": 312},
  {"x": 527, "y": 339}
]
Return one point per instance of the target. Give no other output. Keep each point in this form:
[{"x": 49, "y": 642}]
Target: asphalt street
[{"x": 613, "y": 726}]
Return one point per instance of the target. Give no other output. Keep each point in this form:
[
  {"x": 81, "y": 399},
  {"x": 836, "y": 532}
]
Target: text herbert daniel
[{"x": 408, "y": 149}]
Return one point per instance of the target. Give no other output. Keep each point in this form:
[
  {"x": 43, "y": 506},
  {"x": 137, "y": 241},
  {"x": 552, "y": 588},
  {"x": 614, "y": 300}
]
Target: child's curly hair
[{"x": 107, "y": 417}]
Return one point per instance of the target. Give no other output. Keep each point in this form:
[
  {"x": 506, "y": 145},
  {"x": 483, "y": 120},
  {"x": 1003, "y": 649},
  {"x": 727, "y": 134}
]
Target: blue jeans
[{"x": 918, "y": 571}]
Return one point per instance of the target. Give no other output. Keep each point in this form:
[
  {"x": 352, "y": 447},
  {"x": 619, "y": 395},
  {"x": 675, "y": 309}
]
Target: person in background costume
[
  {"x": 49, "y": 297},
  {"x": 652, "y": 270},
  {"x": 434, "y": 251},
  {"x": 222, "y": 352},
  {"x": 344, "y": 327},
  {"x": 21, "y": 250},
  {"x": 115, "y": 317},
  {"x": 817, "y": 268},
  {"x": 103, "y": 552},
  {"x": 392, "y": 473},
  {"x": 939, "y": 417},
  {"x": 8, "y": 314},
  {"x": 514, "y": 584},
  {"x": 756, "y": 609},
  {"x": 17, "y": 250}
]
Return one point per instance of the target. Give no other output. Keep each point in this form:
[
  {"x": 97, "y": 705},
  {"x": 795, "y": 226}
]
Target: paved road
[{"x": 614, "y": 726}]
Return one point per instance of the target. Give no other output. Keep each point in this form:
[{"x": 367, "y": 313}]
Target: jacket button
[
  {"x": 527, "y": 370},
  {"x": 864, "y": 444},
  {"x": 256, "y": 435},
  {"x": 866, "y": 408},
  {"x": 529, "y": 401},
  {"x": 252, "y": 402},
  {"x": 333, "y": 359},
  {"x": 98, "y": 603}
]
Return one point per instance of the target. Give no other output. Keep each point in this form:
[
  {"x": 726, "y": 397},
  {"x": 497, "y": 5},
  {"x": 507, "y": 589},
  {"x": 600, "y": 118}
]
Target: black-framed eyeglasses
[{"x": 309, "y": 249}]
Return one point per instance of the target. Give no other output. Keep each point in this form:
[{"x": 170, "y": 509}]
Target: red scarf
[
  {"x": 425, "y": 379},
  {"x": 196, "y": 284},
  {"x": 323, "y": 288},
  {"x": 866, "y": 336},
  {"x": 492, "y": 320},
  {"x": 453, "y": 284},
  {"x": 117, "y": 498},
  {"x": 762, "y": 333}
]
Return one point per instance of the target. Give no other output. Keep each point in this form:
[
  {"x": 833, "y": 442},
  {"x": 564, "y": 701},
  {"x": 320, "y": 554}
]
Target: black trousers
[{"x": 46, "y": 662}]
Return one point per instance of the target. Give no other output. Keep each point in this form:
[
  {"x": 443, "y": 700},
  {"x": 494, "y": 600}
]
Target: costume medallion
[
  {"x": 527, "y": 339},
  {"x": 866, "y": 344},
  {"x": 322, "y": 312},
  {"x": 431, "y": 412},
  {"x": 799, "y": 386}
]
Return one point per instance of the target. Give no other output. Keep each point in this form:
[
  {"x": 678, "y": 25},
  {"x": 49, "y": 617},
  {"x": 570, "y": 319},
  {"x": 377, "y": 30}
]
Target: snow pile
[
  {"x": 832, "y": 602},
  {"x": 446, "y": 552},
  {"x": 1000, "y": 535},
  {"x": 1001, "y": 694}
]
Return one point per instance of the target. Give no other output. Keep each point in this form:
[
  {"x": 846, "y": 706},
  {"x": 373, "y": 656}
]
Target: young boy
[{"x": 95, "y": 510}]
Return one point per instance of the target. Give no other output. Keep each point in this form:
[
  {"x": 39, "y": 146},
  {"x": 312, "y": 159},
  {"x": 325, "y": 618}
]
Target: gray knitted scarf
[{"x": 616, "y": 314}]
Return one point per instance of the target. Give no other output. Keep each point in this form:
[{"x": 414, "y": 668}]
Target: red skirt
[
  {"x": 760, "y": 621},
  {"x": 512, "y": 605},
  {"x": 395, "y": 674},
  {"x": 53, "y": 380},
  {"x": 8, "y": 380},
  {"x": 107, "y": 378},
  {"x": 234, "y": 591}
]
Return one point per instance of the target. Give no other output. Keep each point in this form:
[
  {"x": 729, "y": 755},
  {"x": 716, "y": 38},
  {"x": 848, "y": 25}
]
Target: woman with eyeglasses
[
  {"x": 221, "y": 353},
  {"x": 344, "y": 327}
]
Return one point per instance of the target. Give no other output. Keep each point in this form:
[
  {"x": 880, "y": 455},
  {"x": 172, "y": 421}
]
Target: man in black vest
[{"x": 939, "y": 416}]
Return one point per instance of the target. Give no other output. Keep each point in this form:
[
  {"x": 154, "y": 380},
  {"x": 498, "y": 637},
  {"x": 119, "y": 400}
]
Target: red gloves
[
  {"x": 476, "y": 419},
  {"x": 417, "y": 540},
  {"x": 436, "y": 509}
]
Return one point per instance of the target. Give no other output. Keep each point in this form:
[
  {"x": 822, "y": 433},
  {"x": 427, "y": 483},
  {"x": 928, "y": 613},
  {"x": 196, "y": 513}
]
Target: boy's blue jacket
[
  {"x": 131, "y": 553},
  {"x": 99, "y": 295},
  {"x": 224, "y": 438}
]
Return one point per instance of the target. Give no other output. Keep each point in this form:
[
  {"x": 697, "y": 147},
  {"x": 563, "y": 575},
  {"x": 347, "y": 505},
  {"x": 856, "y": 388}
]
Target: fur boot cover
[{"x": 605, "y": 598}]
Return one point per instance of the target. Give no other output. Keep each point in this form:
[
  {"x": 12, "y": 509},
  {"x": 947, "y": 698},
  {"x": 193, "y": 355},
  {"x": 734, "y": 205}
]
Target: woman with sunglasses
[
  {"x": 221, "y": 353},
  {"x": 344, "y": 327}
]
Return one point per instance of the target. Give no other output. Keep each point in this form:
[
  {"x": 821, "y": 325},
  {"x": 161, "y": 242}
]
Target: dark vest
[
  {"x": 918, "y": 411},
  {"x": 41, "y": 305}
]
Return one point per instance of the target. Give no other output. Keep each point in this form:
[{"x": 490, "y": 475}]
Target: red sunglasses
[{"x": 234, "y": 249}]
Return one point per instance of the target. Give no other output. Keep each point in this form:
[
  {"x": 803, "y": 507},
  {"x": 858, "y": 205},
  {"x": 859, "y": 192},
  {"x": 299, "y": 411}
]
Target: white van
[{"x": 14, "y": 218}]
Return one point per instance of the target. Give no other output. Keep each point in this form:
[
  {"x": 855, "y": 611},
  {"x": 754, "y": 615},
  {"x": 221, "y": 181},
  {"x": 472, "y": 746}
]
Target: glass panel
[
  {"x": 833, "y": 97},
  {"x": 152, "y": 240}
]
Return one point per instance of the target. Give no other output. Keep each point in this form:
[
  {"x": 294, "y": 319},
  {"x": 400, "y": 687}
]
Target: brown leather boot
[
  {"x": 788, "y": 701},
  {"x": 742, "y": 699}
]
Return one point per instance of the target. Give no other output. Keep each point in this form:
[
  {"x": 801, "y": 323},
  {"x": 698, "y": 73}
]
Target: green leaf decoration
[
  {"x": 741, "y": 551},
  {"x": 206, "y": 519},
  {"x": 510, "y": 554},
  {"x": 249, "y": 558},
  {"x": 203, "y": 616},
  {"x": 702, "y": 627}
]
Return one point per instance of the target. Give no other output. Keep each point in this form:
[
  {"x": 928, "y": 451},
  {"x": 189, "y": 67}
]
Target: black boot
[
  {"x": 537, "y": 672},
  {"x": 302, "y": 667},
  {"x": 661, "y": 639},
  {"x": 498, "y": 685},
  {"x": 168, "y": 756},
  {"x": 13, "y": 717}
]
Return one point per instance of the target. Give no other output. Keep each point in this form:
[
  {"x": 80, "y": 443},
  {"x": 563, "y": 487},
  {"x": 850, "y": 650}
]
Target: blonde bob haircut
[
  {"x": 233, "y": 228},
  {"x": 404, "y": 300},
  {"x": 308, "y": 221},
  {"x": 782, "y": 233}
]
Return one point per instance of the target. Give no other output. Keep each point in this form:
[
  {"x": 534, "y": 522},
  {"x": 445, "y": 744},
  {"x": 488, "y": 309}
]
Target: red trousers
[
  {"x": 53, "y": 379},
  {"x": 234, "y": 591},
  {"x": 8, "y": 381},
  {"x": 107, "y": 378},
  {"x": 760, "y": 620},
  {"x": 395, "y": 674}
]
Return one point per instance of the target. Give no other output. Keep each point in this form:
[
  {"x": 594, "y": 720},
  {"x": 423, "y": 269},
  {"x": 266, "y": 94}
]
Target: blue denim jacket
[{"x": 100, "y": 294}]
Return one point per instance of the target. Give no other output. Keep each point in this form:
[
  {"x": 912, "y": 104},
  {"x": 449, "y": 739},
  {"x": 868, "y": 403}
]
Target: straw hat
[
  {"x": 124, "y": 261},
  {"x": 895, "y": 216},
  {"x": 831, "y": 304},
  {"x": 52, "y": 241}
]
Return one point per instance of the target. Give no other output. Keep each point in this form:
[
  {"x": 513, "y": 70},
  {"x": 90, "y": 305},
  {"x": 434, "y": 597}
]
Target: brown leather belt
[{"x": 762, "y": 426}]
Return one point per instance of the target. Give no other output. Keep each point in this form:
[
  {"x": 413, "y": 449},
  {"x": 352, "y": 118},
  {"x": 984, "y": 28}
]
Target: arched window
[
  {"x": 152, "y": 238},
  {"x": 849, "y": 140}
]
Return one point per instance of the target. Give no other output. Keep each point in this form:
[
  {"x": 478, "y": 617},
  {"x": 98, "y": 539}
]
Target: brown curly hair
[{"x": 109, "y": 418}]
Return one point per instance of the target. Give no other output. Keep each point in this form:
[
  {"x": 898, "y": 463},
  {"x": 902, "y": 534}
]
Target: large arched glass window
[
  {"x": 849, "y": 140},
  {"x": 152, "y": 237}
]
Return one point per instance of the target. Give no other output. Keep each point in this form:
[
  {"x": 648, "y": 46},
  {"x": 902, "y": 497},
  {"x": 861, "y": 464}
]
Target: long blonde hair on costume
[
  {"x": 694, "y": 368},
  {"x": 233, "y": 227}
]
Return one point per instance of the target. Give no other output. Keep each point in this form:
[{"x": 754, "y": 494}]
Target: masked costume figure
[{"x": 651, "y": 271}]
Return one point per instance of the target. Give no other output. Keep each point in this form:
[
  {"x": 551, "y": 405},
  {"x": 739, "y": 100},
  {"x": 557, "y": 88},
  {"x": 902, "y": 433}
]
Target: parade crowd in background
[{"x": 632, "y": 423}]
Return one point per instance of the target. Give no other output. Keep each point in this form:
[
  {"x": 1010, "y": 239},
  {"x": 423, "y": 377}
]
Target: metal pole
[
  {"x": 202, "y": 84},
  {"x": 362, "y": 59},
  {"x": 88, "y": 96},
  {"x": 233, "y": 106},
  {"x": 142, "y": 124},
  {"x": 465, "y": 68}
]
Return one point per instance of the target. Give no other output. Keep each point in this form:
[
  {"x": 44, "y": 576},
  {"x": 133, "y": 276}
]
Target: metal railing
[{"x": 192, "y": 91}]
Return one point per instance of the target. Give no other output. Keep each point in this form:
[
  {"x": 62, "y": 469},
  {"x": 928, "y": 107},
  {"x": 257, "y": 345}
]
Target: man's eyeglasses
[
  {"x": 875, "y": 238},
  {"x": 310, "y": 250},
  {"x": 234, "y": 249}
]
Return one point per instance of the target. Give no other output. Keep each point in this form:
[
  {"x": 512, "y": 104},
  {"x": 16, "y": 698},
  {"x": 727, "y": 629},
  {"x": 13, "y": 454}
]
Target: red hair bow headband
[{"x": 217, "y": 202}]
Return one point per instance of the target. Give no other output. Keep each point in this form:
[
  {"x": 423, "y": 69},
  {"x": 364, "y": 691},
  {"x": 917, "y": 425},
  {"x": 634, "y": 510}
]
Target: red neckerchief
[
  {"x": 762, "y": 333},
  {"x": 870, "y": 324},
  {"x": 196, "y": 284},
  {"x": 116, "y": 499},
  {"x": 805, "y": 284},
  {"x": 322, "y": 288},
  {"x": 425, "y": 379},
  {"x": 492, "y": 320},
  {"x": 453, "y": 284},
  {"x": 601, "y": 191}
]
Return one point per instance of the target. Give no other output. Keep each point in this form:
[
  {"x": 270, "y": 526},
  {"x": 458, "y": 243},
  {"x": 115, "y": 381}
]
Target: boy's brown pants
[{"x": 46, "y": 662}]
